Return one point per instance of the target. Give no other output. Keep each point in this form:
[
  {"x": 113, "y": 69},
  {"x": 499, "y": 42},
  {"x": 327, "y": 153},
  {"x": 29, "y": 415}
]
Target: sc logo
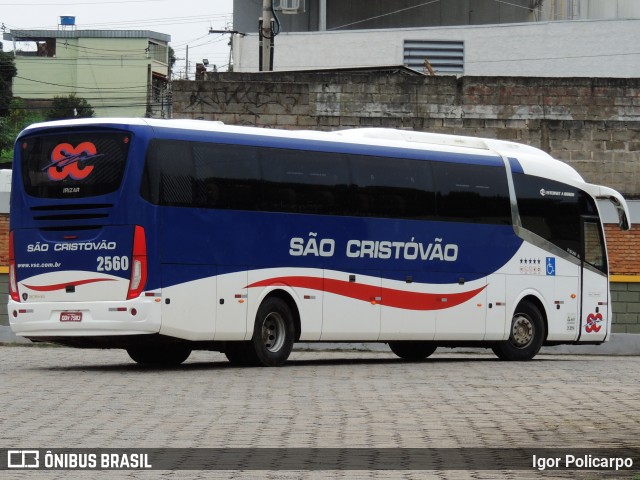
[
  {"x": 23, "y": 459},
  {"x": 65, "y": 161}
]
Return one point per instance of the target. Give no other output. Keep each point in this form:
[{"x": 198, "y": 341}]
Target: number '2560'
[{"x": 113, "y": 264}]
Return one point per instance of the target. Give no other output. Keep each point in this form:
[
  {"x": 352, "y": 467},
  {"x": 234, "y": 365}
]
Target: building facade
[
  {"x": 540, "y": 38},
  {"x": 119, "y": 72}
]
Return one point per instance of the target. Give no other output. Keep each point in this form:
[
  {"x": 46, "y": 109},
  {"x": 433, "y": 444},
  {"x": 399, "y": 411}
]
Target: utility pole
[
  {"x": 267, "y": 35},
  {"x": 322, "y": 15},
  {"x": 186, "y": 68}
]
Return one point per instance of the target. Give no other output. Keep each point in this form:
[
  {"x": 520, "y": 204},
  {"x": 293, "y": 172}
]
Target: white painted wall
[
  {"x": 5, "y": 190},
  {"x": 579, "y": 48}
]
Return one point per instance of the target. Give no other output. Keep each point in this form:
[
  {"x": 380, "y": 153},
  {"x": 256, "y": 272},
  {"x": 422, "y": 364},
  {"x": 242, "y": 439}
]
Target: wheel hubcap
[
  {"x": 273, "y": 332},
  {"x": 521, "y": 331}
]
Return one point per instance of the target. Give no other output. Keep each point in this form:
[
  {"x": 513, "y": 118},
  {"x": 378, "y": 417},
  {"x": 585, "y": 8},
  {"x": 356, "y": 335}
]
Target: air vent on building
[
  {"x": 289, "y": 6},
  {"x": 444, "y": 57}
]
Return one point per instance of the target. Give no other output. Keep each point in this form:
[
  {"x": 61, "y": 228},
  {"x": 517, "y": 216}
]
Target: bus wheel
[
  {"x": 163, "y": 355},
  {"x": 412, "y": 350},
  {"x": 273, "y": 333},
  {"x": 526, "y": 336}
]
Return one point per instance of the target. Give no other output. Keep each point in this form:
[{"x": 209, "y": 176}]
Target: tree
[
  {"x": 69, "y": 107},
  {"x": 172, "y": 61},
  {"x": 7, "y": 72},
  {"x": 20, "y": 117}
]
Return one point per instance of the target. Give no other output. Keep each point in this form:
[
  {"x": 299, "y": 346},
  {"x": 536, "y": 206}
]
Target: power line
[
  {"x": 384, "y": 15},
  {"x": 66, "y": 86},
  {"x": 24, "y": 4}
]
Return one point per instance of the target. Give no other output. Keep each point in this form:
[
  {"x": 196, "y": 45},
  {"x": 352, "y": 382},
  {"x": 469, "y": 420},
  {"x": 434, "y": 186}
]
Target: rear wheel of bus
[
  {"x": 526, "y": 335},
  {"x": 273, "y": 333}
]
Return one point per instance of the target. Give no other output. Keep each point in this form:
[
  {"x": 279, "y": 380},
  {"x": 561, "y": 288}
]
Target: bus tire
[
  {"x": 412, "y": 350},
  {"x": 526, "y": 335},
  {"x": 160, "y": 355},
  {"x": 273, "y": 333}
]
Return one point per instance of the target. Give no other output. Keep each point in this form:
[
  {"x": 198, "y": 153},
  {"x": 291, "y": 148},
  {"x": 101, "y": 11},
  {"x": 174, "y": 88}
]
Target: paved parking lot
[{"x": 55, "y": 397}]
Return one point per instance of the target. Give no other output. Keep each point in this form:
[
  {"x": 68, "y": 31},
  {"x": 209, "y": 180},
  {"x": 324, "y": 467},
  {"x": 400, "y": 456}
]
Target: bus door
[
  {"x": 351, "y": 306},
  {"x": 595, "y": 311}
]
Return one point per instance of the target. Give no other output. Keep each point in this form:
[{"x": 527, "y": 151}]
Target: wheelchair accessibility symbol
[{"x": 551, "y": 266}]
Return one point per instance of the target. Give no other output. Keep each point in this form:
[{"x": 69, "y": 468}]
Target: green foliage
[
  {"x": 10, "y": 126},
  {"x": 69, "y": 107},
  {"x": 7, "y": 72}
]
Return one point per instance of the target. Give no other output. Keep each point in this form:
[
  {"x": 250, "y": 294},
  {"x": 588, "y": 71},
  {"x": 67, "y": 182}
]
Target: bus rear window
[{"x": 74, "y": 165}]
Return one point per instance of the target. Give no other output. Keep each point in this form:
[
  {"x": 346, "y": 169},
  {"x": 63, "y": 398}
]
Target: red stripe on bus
[
  {"x": 370, "y": 293},
  {"x": 60, "y": 286}
]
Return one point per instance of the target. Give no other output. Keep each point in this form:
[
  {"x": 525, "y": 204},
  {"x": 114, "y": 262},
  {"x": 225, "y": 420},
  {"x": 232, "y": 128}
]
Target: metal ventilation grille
[{"x": 445, "y": 57}]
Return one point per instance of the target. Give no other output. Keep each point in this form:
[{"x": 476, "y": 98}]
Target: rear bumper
[{"x": 131, "y": 317}]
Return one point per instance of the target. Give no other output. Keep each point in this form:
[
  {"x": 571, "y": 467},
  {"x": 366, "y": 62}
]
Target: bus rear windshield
[{"x": 75, "y": 164}]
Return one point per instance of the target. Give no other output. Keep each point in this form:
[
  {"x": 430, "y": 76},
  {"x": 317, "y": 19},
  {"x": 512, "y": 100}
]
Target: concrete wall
[
  {"x": 592, "y": 124},
  {"x": 625, "y": 299},
  {"x": 583, "y": 48}
]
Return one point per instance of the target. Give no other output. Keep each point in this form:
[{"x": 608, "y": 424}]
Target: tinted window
[
  {"x": 305, "y": 182},
  {"x": 227, "y": 177},
  {"x": 594, "y": 249},
  {"x": 210, "y": 175},
  {"x": 472, "y": 193},
  {"x": 552, "y": 210},
  {"x": 204, "y": 175},
  {"x": 74, "y": 165},
  {"x": 392, "y": 187}
]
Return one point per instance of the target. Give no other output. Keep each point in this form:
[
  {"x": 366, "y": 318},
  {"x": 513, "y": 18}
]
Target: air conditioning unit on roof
[{"x": 289, "y": 6}]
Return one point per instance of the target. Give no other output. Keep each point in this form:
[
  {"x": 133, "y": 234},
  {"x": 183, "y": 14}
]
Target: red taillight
[
  {"x": 13, "y": 282},
  {"x": 138, "y": 264}
]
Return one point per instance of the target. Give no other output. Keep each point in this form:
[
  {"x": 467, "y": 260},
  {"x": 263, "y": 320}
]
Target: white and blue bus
[{"x": 165, "y": 236}]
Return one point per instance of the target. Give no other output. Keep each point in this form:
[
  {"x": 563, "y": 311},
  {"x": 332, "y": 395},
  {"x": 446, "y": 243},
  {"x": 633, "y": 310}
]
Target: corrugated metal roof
[{"x": 31, "y": 34}]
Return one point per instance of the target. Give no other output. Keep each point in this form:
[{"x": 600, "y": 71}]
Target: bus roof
[
  {"x": 531, "y": 160},
  {"x": 527, "y": 159}
]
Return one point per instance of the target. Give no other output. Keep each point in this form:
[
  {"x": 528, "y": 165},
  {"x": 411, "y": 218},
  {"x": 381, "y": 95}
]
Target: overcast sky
[{"x": 187, "y": 21}]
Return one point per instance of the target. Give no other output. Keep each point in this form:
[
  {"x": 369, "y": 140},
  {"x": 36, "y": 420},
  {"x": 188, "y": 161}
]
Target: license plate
[{"x": 70, "y": 316}]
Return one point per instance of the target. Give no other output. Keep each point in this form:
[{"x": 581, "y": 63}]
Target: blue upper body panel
[{"x": 231, "y": 240}]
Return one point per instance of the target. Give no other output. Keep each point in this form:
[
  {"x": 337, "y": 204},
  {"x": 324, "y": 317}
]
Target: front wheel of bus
[
  {"x": 273, "y": 333},
  {"x": 526, "y": 336},
  {"x": 412, "y": 350},
  {"x": 161, "y": 356}
]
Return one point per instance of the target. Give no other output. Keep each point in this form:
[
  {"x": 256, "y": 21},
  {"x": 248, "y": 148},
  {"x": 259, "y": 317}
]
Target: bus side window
[
  {"x": 594, "y": 251},
  {"x": 549, "y": 209},
  {"x": 299, "y": 181},
  {"x": 472, "y": 193},
  {"x": 168, "y": 174},
  {"x": 392, "y": 187},
  {"x": 228, "y": 176}
]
